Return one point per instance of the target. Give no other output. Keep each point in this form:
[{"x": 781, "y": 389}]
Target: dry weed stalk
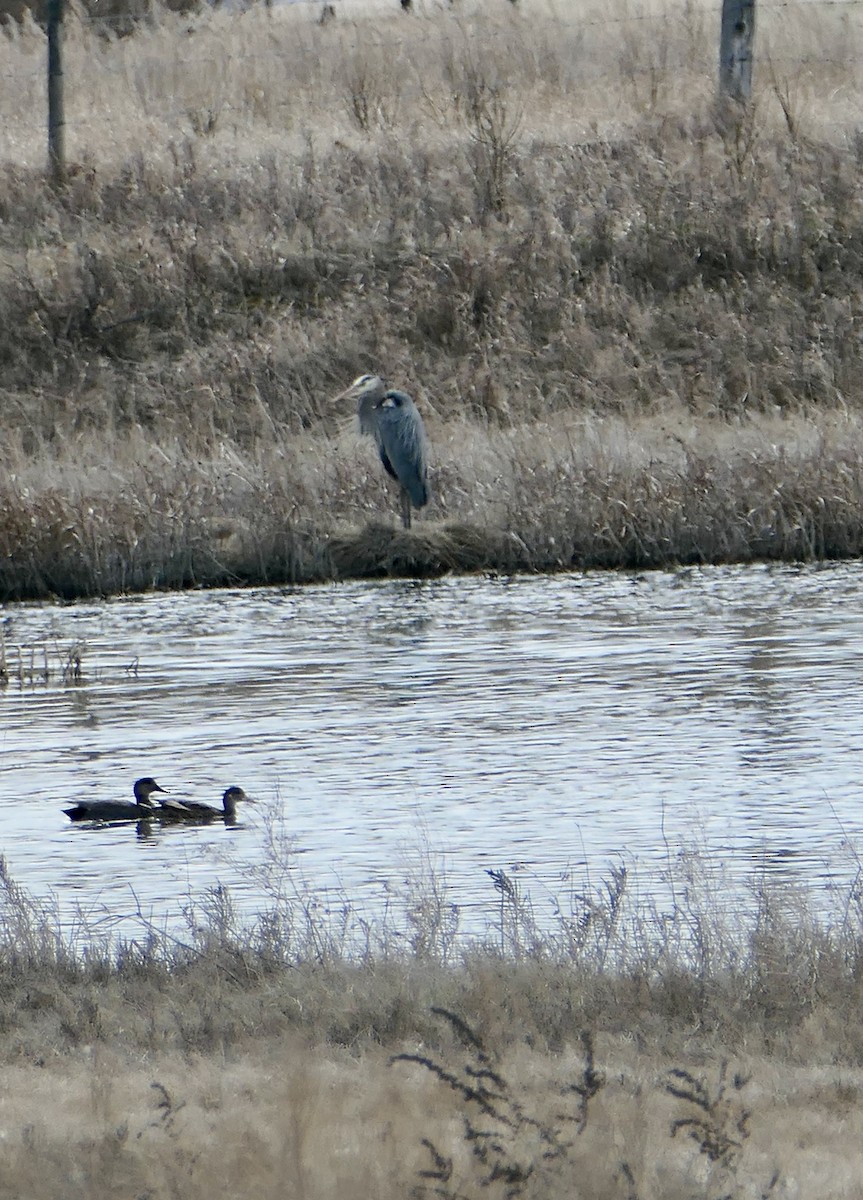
[
  {"x": 167, "y": 1108},
  {"x": 592, "y": 925},
  {"x": 508, "y": 1144},
  {"x": 517, "y": 928},
  {"x": 719, "y": 1125}
]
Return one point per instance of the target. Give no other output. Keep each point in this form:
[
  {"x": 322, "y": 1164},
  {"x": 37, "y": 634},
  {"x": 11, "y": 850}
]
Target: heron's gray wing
[
  {"x": 388, "y": 466},
  {"x": 403, "y": 445}
]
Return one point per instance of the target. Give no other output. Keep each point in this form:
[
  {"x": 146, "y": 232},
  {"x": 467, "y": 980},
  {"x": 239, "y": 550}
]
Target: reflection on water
[{"x": 550, "y": 724}]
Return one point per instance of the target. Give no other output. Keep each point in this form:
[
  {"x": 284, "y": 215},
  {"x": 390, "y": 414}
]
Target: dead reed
[
  {"x": 339, "y": 976},
  {"x": 29, "y": 665}
]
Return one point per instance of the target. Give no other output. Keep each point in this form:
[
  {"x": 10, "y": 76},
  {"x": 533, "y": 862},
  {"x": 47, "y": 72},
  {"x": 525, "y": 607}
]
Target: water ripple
[{"x": 551, "y": 724}]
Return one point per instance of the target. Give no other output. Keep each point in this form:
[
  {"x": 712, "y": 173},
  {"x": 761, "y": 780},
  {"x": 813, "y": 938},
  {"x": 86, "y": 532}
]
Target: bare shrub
[
  {"x": 372, "y": 92},
  {"x": 494, "y": 128}
]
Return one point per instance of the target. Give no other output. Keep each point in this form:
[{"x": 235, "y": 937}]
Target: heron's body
[
  {"x": 191, "y": 811},
  {"x": 393, "y": 420},
  {"x": 118, "y": 810}
]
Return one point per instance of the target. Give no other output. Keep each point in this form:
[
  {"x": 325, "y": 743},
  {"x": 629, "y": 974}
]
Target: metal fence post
[
  {"x": 56, "y": 112},
  {"x": 735, "y": 49}
]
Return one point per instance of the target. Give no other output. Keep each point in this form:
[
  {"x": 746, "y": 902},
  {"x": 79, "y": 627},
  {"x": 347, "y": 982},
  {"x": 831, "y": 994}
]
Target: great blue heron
[
  {"x": 393, "y": 420},
  {"x": 118, "y": 810},
  {"x": 194, "y": 810}
]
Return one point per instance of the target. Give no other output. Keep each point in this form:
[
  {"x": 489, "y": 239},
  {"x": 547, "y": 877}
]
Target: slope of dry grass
[{"x": 629, "y": 319}]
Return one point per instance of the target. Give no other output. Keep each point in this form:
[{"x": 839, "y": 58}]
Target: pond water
[{"x": 547, "y": 727}]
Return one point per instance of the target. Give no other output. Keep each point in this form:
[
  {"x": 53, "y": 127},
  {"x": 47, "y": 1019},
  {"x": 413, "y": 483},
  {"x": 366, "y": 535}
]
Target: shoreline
[{"x": 592, "y": 494}]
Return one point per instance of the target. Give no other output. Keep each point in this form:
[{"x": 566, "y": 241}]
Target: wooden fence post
[
  {"x": 56, "y": 110},
  {"x": 735, "y": 49}
]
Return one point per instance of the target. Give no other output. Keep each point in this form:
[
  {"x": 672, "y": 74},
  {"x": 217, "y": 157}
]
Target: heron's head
[
  {"x": 364, "y": 381},
  {"x": 369, "y": 388},
  {"x": 367, "y": 391}
]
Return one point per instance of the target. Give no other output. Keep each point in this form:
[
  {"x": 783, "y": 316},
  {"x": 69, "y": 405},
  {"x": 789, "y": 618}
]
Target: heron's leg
[{"x": 406, "y": 508}]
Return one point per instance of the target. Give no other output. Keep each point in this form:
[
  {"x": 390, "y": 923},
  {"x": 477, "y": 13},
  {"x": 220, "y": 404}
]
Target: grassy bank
[
  {"x": 623, "y": 1052},
  {"x": 629, "y": 318}
]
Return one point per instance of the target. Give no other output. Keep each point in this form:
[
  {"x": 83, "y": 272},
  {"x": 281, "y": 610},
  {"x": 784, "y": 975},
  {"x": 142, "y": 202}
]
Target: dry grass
[
  {"x": 623, "y": 1054},
  {"x": 286, "y": 1120},
  {"x": 631, "y": 323},
  {"x": 629, "y": 319},
  {"x": 589, "y": 492}
]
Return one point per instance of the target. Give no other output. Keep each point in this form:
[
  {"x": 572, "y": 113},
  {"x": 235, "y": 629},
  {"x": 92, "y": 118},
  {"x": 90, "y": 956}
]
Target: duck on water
[
  {"x": 193, "y": 810},
  {"x": 118, "y": 810},
  {"x": 144, "y": 809}
]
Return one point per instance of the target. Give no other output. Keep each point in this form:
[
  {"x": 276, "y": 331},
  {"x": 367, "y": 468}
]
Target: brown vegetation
[
  {"x": 629, "y": 320},
  {"x": 631, "y": 324},
  {"x": 619, "y": 1053}
]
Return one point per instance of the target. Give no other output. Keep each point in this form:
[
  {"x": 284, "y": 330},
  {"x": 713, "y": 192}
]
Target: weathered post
[
  {"x": 56, "y": 111},
  {"x": 735, "y": 49}
]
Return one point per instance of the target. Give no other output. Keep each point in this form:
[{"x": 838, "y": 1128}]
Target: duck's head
[
  {"x": 234, "y": 795},
  {"x": 144, "y": 788}
]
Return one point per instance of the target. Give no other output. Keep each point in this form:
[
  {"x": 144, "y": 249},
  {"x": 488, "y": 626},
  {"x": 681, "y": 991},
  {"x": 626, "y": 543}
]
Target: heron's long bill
[{"x": 361, "y": 385}]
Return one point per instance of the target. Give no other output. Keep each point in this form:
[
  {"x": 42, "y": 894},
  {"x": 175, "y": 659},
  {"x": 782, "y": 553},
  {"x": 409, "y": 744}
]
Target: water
[{"x": 546, "y": 726}]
